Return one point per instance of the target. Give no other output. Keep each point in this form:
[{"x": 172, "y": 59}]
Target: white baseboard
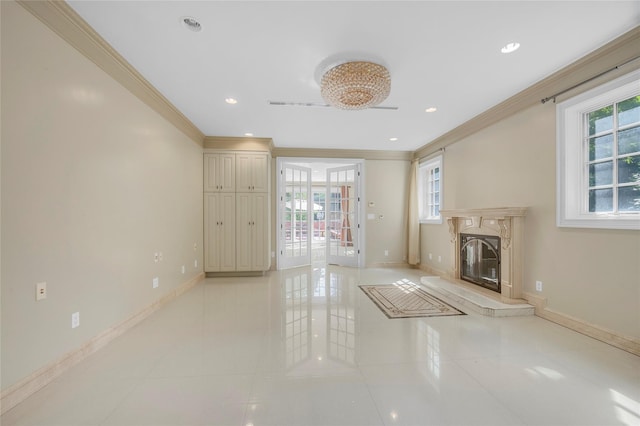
[
  {"x": 26, "y": 387},
  {"x": 610, "y": 337}
]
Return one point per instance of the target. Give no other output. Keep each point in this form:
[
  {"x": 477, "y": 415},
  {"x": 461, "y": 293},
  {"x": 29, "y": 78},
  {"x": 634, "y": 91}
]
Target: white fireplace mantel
[{"x": 505, "y": 222}]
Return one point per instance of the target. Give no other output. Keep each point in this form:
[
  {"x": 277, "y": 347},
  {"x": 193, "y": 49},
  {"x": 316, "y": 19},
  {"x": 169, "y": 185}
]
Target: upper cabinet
[
  {"x": 252, "y": 172},
  {"x": 219, "y": 172}
]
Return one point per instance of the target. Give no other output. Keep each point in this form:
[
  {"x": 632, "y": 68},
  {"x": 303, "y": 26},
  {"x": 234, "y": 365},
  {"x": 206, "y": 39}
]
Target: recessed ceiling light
[
  {"x": 248, "y": 134},
  {"x": 191, "y": 23},
  {"x": 393, "y": 139},
  {"x": 511, "y": 47},
  {"x": 231, "y": 101},
  {"x": 431, "y": 109}
]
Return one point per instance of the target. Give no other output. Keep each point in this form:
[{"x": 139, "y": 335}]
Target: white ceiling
[{"x": 439, "y": 53}]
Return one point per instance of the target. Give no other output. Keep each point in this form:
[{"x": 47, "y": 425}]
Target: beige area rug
[{"x": 405, "y": 299}]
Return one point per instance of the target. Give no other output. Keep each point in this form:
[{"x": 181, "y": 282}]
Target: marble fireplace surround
[{"x": 504, "y": 222}]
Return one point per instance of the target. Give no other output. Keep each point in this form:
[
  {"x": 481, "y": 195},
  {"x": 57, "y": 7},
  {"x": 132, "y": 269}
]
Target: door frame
[{"x": 361, "y": 190}]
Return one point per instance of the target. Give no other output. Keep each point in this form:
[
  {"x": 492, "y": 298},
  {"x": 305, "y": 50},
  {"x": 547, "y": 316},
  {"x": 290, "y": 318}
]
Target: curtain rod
[
  {"x": 430, "y": 156},
  {"x": 553, "y": 97}
]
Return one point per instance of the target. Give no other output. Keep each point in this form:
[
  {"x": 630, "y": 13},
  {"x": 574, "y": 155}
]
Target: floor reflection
[
  {"x": 318, "y": 320},
  {"x": 428, "y": 347},
  {"x": 296, "y": 318}
]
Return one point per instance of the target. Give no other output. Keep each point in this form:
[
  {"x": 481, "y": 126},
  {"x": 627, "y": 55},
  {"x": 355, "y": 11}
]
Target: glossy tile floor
[{"x": 307, "y": 347}]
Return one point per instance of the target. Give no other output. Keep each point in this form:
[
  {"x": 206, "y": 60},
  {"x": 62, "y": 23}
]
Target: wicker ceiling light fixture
[{"x": 355, "y": 85}]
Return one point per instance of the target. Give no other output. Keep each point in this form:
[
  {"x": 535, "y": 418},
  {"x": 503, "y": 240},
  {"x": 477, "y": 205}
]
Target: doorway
[{"x": 319, "y": 215}]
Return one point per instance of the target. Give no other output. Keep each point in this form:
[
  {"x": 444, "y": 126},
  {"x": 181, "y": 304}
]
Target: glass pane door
[
  {"x": 342, "y": 234},
  {"x": 295, "y": 216}
]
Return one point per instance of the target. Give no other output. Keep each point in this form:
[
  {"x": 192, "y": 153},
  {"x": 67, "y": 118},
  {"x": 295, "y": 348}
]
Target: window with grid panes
[
  {"x": 430, "y": 190},
  {"x": 612, "y": 143},
  {"x": 599, "y": 156}
]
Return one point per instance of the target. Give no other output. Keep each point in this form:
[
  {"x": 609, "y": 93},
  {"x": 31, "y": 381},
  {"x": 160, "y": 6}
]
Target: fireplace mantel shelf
[{"x": 489, "y": 213}]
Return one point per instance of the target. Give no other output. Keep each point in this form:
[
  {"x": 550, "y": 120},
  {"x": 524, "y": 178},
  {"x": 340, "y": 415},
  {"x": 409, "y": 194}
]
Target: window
[
  {"x": 430, "y": 190},
  {"x": 599, "y": 157}
]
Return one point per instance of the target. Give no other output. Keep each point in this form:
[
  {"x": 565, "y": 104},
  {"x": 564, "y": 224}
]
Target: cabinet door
[
  {"x": 219, "y": 232},
  {"x": 211, "y": 172},
  {"x": 227, "y": 176},
  {"x": 227, "y": 240},
  {"x": 260, "y": 173},
  {"x": 219, "y": 172},
  {"x": 260, "y": 232},
  {"x": 211, "y": 233},
  {"x": 243, "y": 231},
  {"x": 252, "y": 172},
  {"x": 252, "y": 251}
]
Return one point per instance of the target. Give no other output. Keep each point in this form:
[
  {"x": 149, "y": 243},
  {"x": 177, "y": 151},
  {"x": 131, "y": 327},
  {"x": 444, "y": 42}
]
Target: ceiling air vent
[
  {"x": 320, "y": 105},
  {"x": 191, "y": 23}
]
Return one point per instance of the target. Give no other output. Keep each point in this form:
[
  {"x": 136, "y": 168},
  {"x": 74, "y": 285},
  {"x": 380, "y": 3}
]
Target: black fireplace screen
[{"x": 480, "y": 260}]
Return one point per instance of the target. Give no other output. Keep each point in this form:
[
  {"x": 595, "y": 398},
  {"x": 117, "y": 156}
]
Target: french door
[
  {"x": 343, "y": 218},
  {"x": 295, "y": 214}
]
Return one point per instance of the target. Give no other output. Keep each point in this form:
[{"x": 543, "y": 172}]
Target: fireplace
[
  {"x": 488, "y": 250},
  {"x": 480, "y": 260}
]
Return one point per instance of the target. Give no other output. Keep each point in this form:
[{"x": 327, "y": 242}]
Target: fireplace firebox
[{"x": 480, "y": 260}]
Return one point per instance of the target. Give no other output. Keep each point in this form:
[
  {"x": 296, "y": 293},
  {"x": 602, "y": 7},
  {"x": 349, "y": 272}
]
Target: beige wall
[
  {"x": 386, "y": 185},
  {"x": 93, "y": 183},
  {"x": 591, "y": 275}
]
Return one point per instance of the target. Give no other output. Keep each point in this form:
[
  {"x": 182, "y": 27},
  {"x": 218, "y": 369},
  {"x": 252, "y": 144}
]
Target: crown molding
[
  {"x": 238, "y": 143},
  {"x": 343, "y": 153},
  {"x": 612, "y": 54},
  {"x": 65, "y": 22}
]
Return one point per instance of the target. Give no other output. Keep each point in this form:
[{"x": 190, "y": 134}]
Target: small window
[
  {"x": 430, "y": 190},
  {"x": 599, "y": 156}
]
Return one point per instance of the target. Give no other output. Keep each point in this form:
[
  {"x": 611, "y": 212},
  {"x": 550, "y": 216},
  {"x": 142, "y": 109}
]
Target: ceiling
[{"x": 443, "y": 54}]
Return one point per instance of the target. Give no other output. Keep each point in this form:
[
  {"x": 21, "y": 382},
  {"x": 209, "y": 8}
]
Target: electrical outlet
[
  {"x": 156, "y": 282},
  {"x": 386, "y": 252},
  {"x": 195, "y": 263},
  {"x": 430, "y": 256},
  {"x": 183, "y": 269},
  {"x": 538, "y": 285},
  {"x": 156, "y": 257},
  {"x": 41, "y": 291},
  {"x": 75, "y": 320},
  {"x": 439, "y": 258}
]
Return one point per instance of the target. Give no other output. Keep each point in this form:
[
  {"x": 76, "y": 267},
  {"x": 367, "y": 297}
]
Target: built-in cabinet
[
  {"x": 236, "y": 211},
  {"x": 220, "y": 232}
]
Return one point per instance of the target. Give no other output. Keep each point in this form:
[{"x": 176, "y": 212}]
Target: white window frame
[
  {"x": 425, "y": 193},
  {"x": 572, "y": 180}
]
